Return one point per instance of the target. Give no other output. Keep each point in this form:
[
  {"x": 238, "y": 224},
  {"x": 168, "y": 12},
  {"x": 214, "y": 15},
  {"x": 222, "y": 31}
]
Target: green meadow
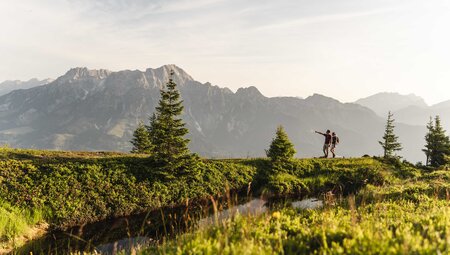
[{"x": 370, "y": 205}]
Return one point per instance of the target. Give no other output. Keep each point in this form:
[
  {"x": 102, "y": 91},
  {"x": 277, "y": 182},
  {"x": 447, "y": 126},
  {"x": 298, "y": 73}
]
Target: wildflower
[{"x": 276, "y": 215}]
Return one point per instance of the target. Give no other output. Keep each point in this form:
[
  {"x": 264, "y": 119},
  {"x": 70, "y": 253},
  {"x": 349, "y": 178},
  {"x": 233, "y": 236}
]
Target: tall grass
[
  {"x": 15, "y": 221},
  {"x": 385, "y": 227}
]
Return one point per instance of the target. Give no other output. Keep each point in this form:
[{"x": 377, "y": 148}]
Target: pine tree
[
  {"x": 167, "y": 129},
  {"x": 141, "y": 140},
  {"x": 440, "y": 144},
  {"x": 281, "y": 149},
  {"x": 429, "y": 141},
  {"x": 390, "y": 142}
]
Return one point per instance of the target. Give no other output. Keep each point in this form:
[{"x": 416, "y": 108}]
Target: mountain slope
[
  {"x": 99, "y": 109},
  {"x": 420, "y": 116}
]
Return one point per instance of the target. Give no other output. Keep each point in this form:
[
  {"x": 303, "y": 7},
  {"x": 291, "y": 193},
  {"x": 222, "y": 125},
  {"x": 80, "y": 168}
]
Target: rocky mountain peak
[
  {"x": 80, "y": 73},
  {"x": 251, "y": 91},
  {"x": 162, "y": 74}
]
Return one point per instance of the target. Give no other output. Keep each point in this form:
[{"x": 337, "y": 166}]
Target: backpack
[{"x": 335, "y": 140}]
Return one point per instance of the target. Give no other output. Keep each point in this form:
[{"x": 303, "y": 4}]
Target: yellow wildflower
[{"x": 276, "y": 215}]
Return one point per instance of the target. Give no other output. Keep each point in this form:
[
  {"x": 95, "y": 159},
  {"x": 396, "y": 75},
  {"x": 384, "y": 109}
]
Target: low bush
[
  {"x": 78, "y": 191},
  {"x": 282, "y": 184},
  {"x": 78, "y": 188}
]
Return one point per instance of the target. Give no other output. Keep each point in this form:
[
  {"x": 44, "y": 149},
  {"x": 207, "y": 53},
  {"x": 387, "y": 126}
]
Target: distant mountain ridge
[
  {"x": 98, "y": 110},
  {"x": 383, "y": 102},
  {"x": 8, "y": 86},
  {"x": 409, "y": 109}
]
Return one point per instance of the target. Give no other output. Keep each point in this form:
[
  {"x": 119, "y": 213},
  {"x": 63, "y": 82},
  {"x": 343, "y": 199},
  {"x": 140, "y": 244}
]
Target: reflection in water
[
  {"x": 127, "y": 233},
  {"x": 124, "y": 245},
  {"x": 253, "y": 208},
  {"x": 309, "y": 203}
]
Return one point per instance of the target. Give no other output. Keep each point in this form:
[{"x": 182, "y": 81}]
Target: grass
[
  {"x": 400, "y": 227},
  {"x": 16, "y": 222}
]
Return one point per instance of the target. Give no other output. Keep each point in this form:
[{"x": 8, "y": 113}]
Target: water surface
[{"x": 127, "y": 233}]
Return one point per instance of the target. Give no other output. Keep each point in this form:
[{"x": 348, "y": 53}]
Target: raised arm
[{"x": 319, "y": 133}]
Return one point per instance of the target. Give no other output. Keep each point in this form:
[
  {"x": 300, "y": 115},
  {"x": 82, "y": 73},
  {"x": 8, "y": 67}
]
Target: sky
[{"x": 346, "y": 49}]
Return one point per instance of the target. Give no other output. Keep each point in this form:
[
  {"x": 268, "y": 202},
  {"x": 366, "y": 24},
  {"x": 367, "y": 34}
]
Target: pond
[{"x": 127, "y": 233}]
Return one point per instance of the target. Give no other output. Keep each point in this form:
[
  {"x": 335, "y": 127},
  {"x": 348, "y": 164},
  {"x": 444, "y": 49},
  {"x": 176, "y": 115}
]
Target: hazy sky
[{"x": 346, "y": 49}]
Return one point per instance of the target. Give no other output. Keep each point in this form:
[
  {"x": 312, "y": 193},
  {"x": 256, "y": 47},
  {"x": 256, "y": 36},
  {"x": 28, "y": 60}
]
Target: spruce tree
[
  {"x": 141, "y": 140},
  {"x": 167, "y": 129},
  {"x": 151, "y": 127},
  {"x": 281, "y": 149},
  {"x": 429, "y": 141},
  {"x": 440, "y": 144},
  {"x": 390, "y": 142}
]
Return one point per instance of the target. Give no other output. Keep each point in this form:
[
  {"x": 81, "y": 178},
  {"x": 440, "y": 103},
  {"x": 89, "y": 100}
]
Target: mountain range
[
  {"x": 409, "y": 109},
  {"x": 8, "y": 86},
  {"x": 99, "y": 110}
]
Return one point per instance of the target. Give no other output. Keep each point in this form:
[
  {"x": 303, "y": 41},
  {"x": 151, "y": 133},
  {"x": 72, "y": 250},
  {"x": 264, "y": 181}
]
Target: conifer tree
[
  {"x": 151, "y": 127},
  {"x": 390, "y": 142},
  {"x": 429, "y": 141},
  {"x": 281, "y": 149},
  {"x": 440, "y": 144},
  {"x": 168, "y": 129},
  {"x": 141, "y": 140}
]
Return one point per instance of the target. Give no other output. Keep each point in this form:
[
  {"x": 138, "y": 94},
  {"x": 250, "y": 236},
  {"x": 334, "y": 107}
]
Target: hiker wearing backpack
[
  {"x": 334, "y": 142},
  {"x": 327, "y": 143}
]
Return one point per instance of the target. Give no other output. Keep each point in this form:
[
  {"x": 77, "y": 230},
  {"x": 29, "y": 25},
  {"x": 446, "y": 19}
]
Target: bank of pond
[{"x": 107, "y": 202}]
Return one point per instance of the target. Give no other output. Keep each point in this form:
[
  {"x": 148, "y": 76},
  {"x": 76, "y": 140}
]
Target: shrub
[
  {"x": 79, "y": 191},
  {"x": 286, "y": 184}
]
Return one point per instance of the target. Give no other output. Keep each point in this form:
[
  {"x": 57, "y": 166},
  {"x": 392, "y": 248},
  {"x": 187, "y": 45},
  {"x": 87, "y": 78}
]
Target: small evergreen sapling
[
  {"x": 141, "y": 140},
  {"x": 439, "y": 144},
  {"x": 390, "y": 142},
  {"x": 281, "y": 153},
  {"x": 281, "y": 149}
]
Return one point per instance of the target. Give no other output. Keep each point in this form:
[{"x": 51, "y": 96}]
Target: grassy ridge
[
  {"x": 316, "y": 176},
  {"x": 76, "y": 189}
]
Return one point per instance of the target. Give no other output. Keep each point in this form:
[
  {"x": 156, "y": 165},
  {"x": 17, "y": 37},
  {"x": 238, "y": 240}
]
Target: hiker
[
  {"x": 327, "y": 143},
  {"x": 334, "y": 142}
]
